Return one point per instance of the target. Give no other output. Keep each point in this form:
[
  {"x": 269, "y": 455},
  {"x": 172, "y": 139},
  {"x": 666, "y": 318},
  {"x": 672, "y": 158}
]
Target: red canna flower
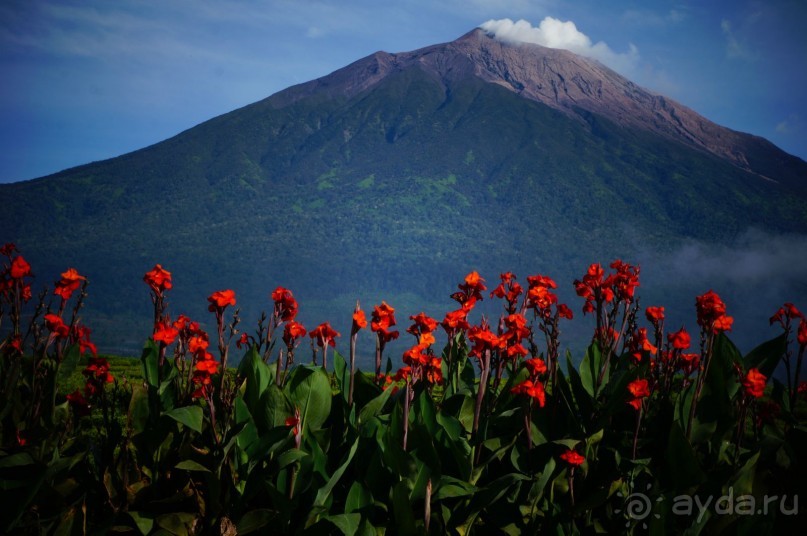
[
  {"x": 655, "y": 315},
  {"x": 359, "y": 320},
  {"x": 754, "y": 383},
  {"x": 19, "y": 268},
  {"x": 68, "y": 284},
  {"x": 56, "y": 326},
  {"x": 165, "y": 333},
  {"x": 532, "y": 389},
  {"x": 324, "y": 334},
  {"x": 291, "y": 332},
  {"x": 680, "y": 340},
  {"x": 572, "y": 458},
  {"x": 158, "y": 279},
  {"x": 422, "y": 324},
  {"x": 536, "y": 366},
  {"x": 802, "y": 333},
  {"x": 221, "y": 299},
  {"x": 639, "y": 390},
  {"x": 565, "y": 312},
  {"x": 285, "y": 305},
  {"x": 710, "y": 309},
  {"x": 434, "y": 371},
  {"x": 383, "y": 317}
]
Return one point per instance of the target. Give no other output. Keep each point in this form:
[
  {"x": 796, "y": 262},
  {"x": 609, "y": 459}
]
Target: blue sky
[{"x": 89, "y": 80}]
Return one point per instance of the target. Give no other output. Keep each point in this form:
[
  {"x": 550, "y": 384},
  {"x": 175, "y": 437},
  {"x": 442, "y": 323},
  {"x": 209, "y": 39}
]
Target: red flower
[
  {"x": 291, "y": 332},
  {"x": 285, "y": 304},
  {"x": 536, "y": 367},
  {"x": 639, "y": 390},
  {"x": 324, "y": 334},
  {"x": 655, "y": 315},
  {"x": 69, "y": 282},
  {"x": 509, "y": 289},
  {"x": 158, "y": 279},
  {"x": 359, "y": 320},
  {"x": 221, "y": 299},
  {"x": 484, "y": 339},
  {"x": 422, "y": 324},
  {"x": 19, "y": 268},
  {"x": 802, "y": 333},
  {"x": 711, "y": 309},
  {"x": 434, "y": 371},
  {"x": 57, "y": 326},
  {"x": 383, "y": 317},
  {"x": 208, "y": 365},
  {"x": 680, "y": 340},
  {"x": 572, "y": 458},
  {"x": 79, "y": 403},
  {"x": 532, "y": 389},
  {"x": 754, "y": 383},
  {"x": 292, "y": 421},
  {"x": 165, "y": 333},
  {"x": 564, "y": 311},
  {"x": 416, "y": 355}
]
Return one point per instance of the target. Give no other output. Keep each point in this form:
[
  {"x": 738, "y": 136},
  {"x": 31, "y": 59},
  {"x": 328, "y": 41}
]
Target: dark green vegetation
[{"x": 392, "y": 193}]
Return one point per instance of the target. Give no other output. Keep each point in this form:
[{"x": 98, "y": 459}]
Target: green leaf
[
  {"x": 452, "y": 487},
  {"x": 190, "y": 465},
  {"x": 190, "y": 416},
  {"x": 177, "y": 523},
  {"x": 150, "y": 360},
  {"x": 683, "y": 464},
  {"x": 374, "y": 406},
  {"x": 347, "y": 523},
  {"x": 16, "y": 460},
  {"x": 402, "y": 510},
  {"x": 310, "y": 390},
  {"x": 254, "y": 520},
  {"x": 143, "y": 520},
  {"x": 324, "y": 492},
  {"x": 342, "y": 374},
  {"x": 358, "y": 498},
  {"x": 139, "y": 409},
  {"x": 274, "y": 408},
  {"x": 590, "y": 368},
  {"x": 766, "y": 356},
  {"x": 257, "y": 377}
]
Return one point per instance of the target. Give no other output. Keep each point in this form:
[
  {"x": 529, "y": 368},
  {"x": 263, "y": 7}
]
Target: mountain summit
[
  {"x": 562, "y": 80},
  {"x": 393, "y": 177}
]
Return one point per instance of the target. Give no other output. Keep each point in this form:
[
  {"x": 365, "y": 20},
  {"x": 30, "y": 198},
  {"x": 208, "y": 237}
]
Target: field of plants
[{"x": 655, "y": 430}]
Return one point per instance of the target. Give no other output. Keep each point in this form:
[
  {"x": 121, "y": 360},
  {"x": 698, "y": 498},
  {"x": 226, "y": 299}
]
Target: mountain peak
[{"x": 575, "y": 85}]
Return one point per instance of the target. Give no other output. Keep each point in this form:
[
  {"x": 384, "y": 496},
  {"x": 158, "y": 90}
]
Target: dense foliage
[{"x": 498, "y": 433}]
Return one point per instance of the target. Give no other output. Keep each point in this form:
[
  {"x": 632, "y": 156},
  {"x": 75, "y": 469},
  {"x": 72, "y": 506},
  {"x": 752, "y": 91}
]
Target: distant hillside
[{"x": 392, "y": 178}]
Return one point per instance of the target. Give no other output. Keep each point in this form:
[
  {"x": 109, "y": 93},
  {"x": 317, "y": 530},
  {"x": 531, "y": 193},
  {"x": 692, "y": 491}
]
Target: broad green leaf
[
  {"x": 402, "y": 509},
  {"x": 190, "y": 416},
  {"x": 766, "y": 356},
  {"x": 358, "y": 498},
  {"x": 16, "y": 460},
  {"x": 190, "y": 465},
  {"x": 683, "y": 464},
  {"x": 374, "y": 406},
  {"x": 274, "y": 408},
  {"x": 257, "y": 377},
  {"x": 590, "y": 368},
  {"x": 341, "y": 372},
  {"x": 151, "y": 365},
  {"x": 347, "y": 523},
  {"x": 139, "y": 409},
  {"x": 177, "y": 523},
  {"x": 310, "y": 390},
  {"x": 290, "y": 456},
  {"x": 452, "y": 487},
  {"x": 143, "y": 520},
  {"x": 324, "y": 492}
]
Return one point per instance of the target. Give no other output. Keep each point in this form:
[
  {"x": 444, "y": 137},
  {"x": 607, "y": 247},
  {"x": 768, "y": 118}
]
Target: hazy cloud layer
[{"x": 554, "y": 33}]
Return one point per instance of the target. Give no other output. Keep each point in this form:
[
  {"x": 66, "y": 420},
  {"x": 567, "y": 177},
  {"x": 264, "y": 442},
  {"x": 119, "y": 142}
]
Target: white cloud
[{"x": 554, "y": 33}]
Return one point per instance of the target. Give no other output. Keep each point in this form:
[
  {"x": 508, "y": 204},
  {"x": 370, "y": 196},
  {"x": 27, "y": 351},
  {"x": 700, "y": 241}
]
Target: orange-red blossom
[
  {"x": 754, "y": 383},
  {"x": 324, "y": 334},
  {"x": 158, "y": 279},
  {"x": 68, "y": 284},
  {"x": 639, "y": 390}
]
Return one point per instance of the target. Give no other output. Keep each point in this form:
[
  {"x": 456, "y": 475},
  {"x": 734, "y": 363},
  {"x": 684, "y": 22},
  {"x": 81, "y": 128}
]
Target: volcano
[{"x": 393, "y": 177}]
